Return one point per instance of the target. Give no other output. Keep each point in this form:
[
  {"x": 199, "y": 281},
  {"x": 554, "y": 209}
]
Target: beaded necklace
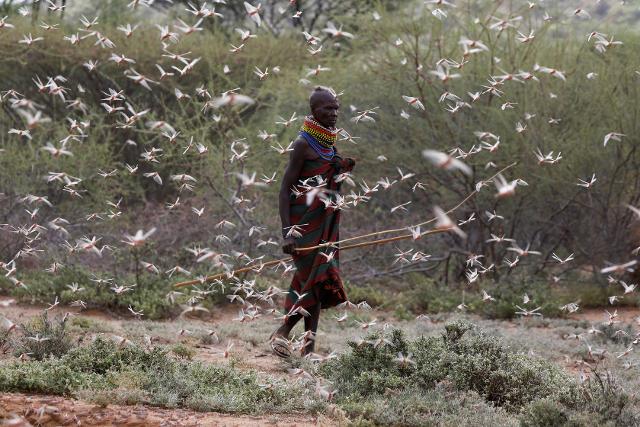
[
  {"x": 323, "y": 152},
  {"x": 325, "y": 137}
]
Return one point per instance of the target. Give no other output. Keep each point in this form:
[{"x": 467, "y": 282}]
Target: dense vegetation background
[{"x": 399, "y": 52}]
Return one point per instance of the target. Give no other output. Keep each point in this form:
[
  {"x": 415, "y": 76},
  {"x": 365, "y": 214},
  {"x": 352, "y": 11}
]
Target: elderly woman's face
[{"x": 326, "y": 111}]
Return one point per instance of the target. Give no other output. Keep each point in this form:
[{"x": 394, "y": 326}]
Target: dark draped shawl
[{"x": 315, "y": 277}]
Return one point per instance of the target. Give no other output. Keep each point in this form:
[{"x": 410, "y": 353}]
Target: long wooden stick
[
  {"x": 352, "y": 246},
  {"x": 278, "y": 261},
  {"x": 397, "y": 230}
]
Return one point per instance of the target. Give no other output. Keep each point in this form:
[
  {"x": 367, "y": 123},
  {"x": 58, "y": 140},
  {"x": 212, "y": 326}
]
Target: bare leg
[
  {"x": 285, "y": 329},
  {"x": 311, "y": 325}
]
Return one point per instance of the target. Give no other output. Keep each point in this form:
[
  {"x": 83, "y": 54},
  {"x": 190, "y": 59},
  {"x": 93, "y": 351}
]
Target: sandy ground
[
  {"x": 626, "y": 315},
  {"x": 58, "y": 411}
]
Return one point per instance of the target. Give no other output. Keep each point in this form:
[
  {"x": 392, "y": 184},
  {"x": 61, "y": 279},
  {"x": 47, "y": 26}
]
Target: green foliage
[
  {"x": 374, "y": 296},
  {"x": 429, "y": 296},
  {"x": 50, "y": 376},
  {"x": 544, "y": 412},
  {"x": 42, "y": 337},
  {"x": 608, "y": 401},
  {"x": 183, "y": 351},
  {"x": 477, "y": 361},
  {"x": 131, "y": 374},
  {"x": 601, "y": 402},
  {"x": 469, "y": 361},
  {"x": 149, "y": 295},
  {"x": 87, "y": 324},
  {"x": 610, "y": 333},
  {"x": 433, "y": 407},
  {"x": 425, "y": 295},
  {"x": 474, "y": 369}
]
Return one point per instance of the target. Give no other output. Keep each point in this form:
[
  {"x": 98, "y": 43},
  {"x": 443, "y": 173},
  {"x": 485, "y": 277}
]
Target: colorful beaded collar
[
  {"x": 326, "y": 137},
  {"x": 323, "y": 152}
]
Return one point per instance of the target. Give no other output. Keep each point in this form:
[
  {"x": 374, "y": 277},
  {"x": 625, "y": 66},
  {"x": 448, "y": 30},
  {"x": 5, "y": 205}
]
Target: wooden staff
[
  {"x": 397, "y": 230},
  {"x": 352, "y": 246},
  {"x": 308, "y": 248}
]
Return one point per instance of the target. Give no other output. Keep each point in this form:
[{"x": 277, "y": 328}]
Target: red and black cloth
[{"x": 317, "y": 277}]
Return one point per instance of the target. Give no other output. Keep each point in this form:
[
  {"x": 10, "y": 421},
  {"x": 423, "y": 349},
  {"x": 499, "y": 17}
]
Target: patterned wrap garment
[{"x": 314, "y": 275}]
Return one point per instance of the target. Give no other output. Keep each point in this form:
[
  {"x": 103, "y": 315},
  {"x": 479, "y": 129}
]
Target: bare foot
[
  {"x": 279, "y": 340},
  {"x": 308, "y": 347},
  {"x": 281, "y": 332}
]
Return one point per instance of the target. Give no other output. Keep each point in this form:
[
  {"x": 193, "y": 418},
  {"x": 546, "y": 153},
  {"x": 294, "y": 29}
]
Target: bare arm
[{"x": 290, "y": 178}]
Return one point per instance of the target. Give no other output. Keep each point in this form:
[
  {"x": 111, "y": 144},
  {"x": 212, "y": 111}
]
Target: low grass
[
  {"x": 149, "y": 294},
  {"x": 43, "y": 337},
  {"x": 103, "y": 372},
  {"x": 501, "y": 382},
  {"x": 428, "y": 296}
]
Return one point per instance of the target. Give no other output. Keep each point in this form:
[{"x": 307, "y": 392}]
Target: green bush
[
  {"x": 609, "y": 403},
  {"x": 149, "y": 295},
  {"x": 375, "y": 388},
  {"x": 374, "y": 296},
  {"x": 42, "y": 337},
  {"x": 602, "y": 402},
  {"x": 426, "y": 295},
  {"x": 477, "y": 361},
  {"x": 131, "y": 374},
  {"x": 50, "y": 376},
  {"x": 469, "y": 358},
  {"x": 544, "y": 413},
  {"x": 183, "y": 351}
]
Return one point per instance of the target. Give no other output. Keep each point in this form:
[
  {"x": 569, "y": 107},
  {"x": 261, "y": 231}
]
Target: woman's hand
[
  {"x": 349, "y": 163},
  {"x": 288, "y": 246}
]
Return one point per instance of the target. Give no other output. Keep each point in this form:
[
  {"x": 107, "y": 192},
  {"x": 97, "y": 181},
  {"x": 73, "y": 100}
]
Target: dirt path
[
  {"x": 627, "y": 315},
  {"x": 58, "y": 411},
  {"x": 20, "y": 312}
]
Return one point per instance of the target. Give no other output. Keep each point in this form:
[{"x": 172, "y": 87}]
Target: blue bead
[{"x": 317, "y": 147}]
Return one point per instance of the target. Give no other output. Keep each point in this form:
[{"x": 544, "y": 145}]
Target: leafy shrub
[
  {"x": 87, "y": 324},
  {"x": 374, "y": 296},
  {"x": 601, "y": 402},
  {"x": 610, "y": 334},
  {"x": 434, "y": 407},
  {"x": 603, "y": 397},
  {"x": 50, "y": 376},
  {"x": 376, "y": 389},
  {"x": 183, "y": 351},
  {"x": 108, "y": 373},
  {"x": 428, "y": 296},
  {"x": 149, "y": 295},
  {"x": 42, "y": 337},
  {"x": 544, "y": 412},
  {"x": 477, "y": 361},
  {"x": 468, "y": 358}
]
